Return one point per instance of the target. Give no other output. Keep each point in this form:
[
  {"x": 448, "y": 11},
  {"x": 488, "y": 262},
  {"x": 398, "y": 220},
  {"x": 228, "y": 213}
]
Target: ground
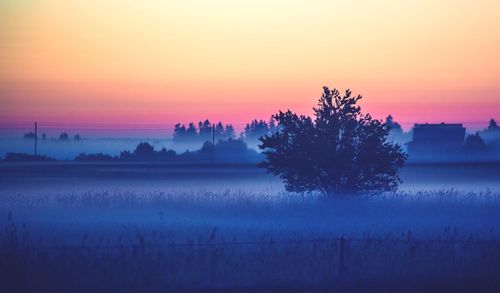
[{"x": 151, "y": 227}]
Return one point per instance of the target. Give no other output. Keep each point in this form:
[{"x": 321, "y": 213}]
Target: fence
[
  {"x": 323, "y": 262},
  {"x": 340, "y": 244}
]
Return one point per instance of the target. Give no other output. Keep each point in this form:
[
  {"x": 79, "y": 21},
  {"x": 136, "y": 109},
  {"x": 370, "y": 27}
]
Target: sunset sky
[{"x": 161, "y": 61}]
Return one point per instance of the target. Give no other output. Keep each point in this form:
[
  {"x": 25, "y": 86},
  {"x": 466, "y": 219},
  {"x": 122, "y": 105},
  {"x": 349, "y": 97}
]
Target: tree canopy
[
  {"x": 341, "y": 151},
  {"x": 492, "y": 124},
  {"x": 202, "y": 133}
]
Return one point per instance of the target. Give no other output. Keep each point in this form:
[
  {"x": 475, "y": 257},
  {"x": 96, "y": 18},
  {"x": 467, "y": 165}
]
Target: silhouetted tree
[
  {"x": 179, "y": 130},
  {"x": 44, "y": 136},
  {"x": 229, "y": 132},
  {"x": 180, "y": 133},
  {"x": 392, "y": 125},
  {"x": 29, "y": 135},
  {"x": 126, "y": 156},
  {"x": 144, "y": 151},
  {"x": 396, "y": 133},
  {"x": 220, "y": 133},
  {"x": 166, "y": 155},
  {"x": 474, "y": 144},
  {"x": 99, "y": 157},
  {"x": 63, "y": 136},
  {"x": 77, "y": 137},
  {"x": 230, "y": 150},
  {"x": 183, "y": 134},
  {"x": 22, "y": 157},
  {"x": 492, "y": 125},
  {"x": 491, "y": 135},
  {"x": 207, "y": 148},
  {"x": 341, "y": 151},
  {"x": 203, "y": 133},
  {"x": 191, "y": 130},
  {"x": 257, "y": 129},
  {"x": 205, "y": 130},
  {"x": 235, "y": 150},
  {"x": 272, "y": 126}
]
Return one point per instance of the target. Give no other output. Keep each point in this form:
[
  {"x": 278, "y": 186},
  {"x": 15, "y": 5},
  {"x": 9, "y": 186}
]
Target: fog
[
  {"x": 156, "y": 227},
  {"x": 68, "y": 150},
  {"x": 74, "y": 177}
]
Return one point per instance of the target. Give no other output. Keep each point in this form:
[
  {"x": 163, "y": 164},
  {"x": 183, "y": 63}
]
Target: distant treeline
[
  {"x": 22, "y": 157},
  {"x": 64, "y": 136},
  {"x": 230, "y": 150},
  {"x": 206, "y": 131},
  {"x": 196, "y": 132},
  {"x": 483, "y": 145},
  {"x": 491, "y": 135}
]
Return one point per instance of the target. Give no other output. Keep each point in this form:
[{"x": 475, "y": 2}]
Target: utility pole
[
  {"x": 213, "y": 138},
  {"x": 36, "y": 137}
]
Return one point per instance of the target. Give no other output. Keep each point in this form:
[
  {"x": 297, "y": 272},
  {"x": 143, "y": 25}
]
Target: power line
[
  {"x": 107, "y": 124},
  {"x": 36, "y": 137},
  {"x": 95, "y": 126}
]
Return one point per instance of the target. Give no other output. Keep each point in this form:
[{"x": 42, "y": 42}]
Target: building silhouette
[{"x": 433, "y": 142}]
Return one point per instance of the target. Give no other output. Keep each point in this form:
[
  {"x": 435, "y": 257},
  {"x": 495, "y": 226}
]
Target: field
[{"x": 154, "y": 229}]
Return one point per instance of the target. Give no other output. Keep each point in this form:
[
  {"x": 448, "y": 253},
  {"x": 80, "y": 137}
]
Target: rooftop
[{"x": 434, "y": 125}]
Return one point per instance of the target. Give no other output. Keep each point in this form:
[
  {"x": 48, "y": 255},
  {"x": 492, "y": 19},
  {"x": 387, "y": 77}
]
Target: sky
[{"x": 160, "y": 61}]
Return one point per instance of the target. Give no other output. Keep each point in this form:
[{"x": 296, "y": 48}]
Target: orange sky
[{"x": 168, "y": 61}]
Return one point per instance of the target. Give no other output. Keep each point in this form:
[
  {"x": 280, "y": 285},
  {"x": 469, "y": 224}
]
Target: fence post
[
  {"x": 412, "y": 251},
  {"x": 342, "y": 255}
]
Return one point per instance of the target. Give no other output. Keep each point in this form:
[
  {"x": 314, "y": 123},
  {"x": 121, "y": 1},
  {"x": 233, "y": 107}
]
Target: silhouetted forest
[
  {"x": 437, "y": 146},
  {"x": 230, "y": 150},
  {"x": 63, "y": 136},
  {"x": 206, "y": 131},
  {"x": 21, "y": 157}
]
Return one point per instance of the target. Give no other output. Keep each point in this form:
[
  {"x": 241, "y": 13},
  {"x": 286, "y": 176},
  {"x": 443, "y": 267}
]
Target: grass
[{"x": 157, "y": 241}]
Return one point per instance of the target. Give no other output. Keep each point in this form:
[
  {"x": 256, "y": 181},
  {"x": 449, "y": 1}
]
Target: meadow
[{"x": 240, "y": 232}]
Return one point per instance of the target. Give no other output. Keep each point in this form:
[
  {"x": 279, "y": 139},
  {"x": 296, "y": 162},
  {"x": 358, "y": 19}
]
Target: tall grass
[{"x": 98, "y": 241}]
